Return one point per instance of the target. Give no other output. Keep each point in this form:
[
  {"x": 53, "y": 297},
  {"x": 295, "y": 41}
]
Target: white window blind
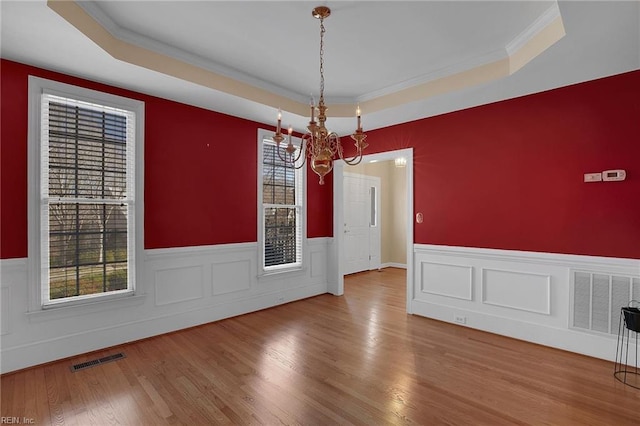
[
  {"x": 282, "y": 209},
  {"x": 87, "y": 190}
]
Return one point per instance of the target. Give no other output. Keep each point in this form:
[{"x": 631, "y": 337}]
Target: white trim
[
  {"x": 37, "y": 87},
  {"x": 318, "y": 241},
  {"x": 541, "y": 22},
  {"x": 18, "y": 264},
  {"x": 300, "y": 192},
  {"x": 38, "y": 337},
  {"x": 561, "y": 338},
  {"x": 623, "y": 265},
  {"x": 161, "y": 253},
  {"x": 89, "y": 307},
  {"x": 137, "y": 39},
  {"x": 453, "y": 69},
  {"x": 5, "y": 309},
  {"x": 506, "y": 52},
  {"x": 546, "y": 319},
  {"x": 42, "y": 351},
  {"x": 468, "y": 296},
  {"x": 483, "y": 290},
  {"x": 393, "y": 265},
  {"x": 335, "y": 273}
]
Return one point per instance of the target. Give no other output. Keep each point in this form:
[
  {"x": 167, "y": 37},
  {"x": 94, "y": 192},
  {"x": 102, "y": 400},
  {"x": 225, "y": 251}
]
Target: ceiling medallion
[{"x": 318, "y": 144}]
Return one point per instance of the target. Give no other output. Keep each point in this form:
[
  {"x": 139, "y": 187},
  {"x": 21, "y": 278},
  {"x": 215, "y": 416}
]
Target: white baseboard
[{"x": 393, "y": 265}]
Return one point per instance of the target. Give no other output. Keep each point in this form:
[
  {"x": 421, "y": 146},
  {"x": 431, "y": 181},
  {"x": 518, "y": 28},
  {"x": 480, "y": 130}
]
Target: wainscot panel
[
  {"x": 181, "y": 287},
  {"x": 13, "y": 278},
  {"x": 5, "y": 307},
  {"x": 525, "y": 295},
  {"x": 231, "y": 277},
  {"x": 174, "y": 285},
  {"x": 517, "y": 290},
  {"x": 443, "y": 279}
]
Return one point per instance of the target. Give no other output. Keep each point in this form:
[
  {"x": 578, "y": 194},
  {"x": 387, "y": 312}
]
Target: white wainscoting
[
  {"x": 525, "y": 295},
  {"x": 175, "y": 285},
  {"x": 182, "y": 287},
  {"x": 533, "y": 290},
  {"x": 444, "y": 279},
  {"x": 5, "y": 309},
  {"x": 231, "y": 277}
]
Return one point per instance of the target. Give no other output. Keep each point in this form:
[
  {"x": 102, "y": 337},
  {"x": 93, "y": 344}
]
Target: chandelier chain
[{"x": 322, "y": 30}]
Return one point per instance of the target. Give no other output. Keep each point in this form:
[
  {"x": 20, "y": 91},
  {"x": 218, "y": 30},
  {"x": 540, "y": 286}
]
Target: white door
[{"x": 361, "y": 223}]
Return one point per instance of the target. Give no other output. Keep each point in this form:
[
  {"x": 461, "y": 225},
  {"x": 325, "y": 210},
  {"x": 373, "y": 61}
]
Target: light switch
[{"x": 593, "y": 177}]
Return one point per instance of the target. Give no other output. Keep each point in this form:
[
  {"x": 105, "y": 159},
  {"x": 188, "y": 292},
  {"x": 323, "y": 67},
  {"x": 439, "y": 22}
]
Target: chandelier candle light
[{"x": 319, "y": 144}]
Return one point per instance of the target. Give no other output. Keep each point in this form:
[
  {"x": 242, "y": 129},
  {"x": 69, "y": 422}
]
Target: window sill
[{"x": 65, "y": 311}]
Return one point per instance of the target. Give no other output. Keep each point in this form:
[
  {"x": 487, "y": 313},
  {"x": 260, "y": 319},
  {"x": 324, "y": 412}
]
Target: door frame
[{"x": 335, "y": 276}]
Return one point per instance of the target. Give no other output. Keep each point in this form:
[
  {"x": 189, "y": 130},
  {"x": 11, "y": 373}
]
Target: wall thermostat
[{"x": 612, "y": 175}]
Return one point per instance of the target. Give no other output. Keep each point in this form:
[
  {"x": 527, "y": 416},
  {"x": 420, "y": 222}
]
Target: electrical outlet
[{"x": 459, "y": 319}]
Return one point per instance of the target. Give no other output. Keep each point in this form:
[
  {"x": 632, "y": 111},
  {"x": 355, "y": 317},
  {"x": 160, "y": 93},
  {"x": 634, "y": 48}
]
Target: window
[
  {"x": 281, "y": 205},
  {"x": 84, "y": 168},
  {"x": 373, "y": 200}
]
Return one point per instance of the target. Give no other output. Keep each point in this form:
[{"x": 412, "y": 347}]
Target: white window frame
[
  {"x": 265, "y": 135},
  {"x": 37, "y": 232}
]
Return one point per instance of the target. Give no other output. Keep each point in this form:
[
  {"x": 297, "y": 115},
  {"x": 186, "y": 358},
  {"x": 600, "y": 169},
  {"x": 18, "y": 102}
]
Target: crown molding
[
  {"x": 476, "y": 62},
  {"x": 136, "y": 39},
  {"x": 543, "y": 21},
  {"x": 134, "y": 48}
]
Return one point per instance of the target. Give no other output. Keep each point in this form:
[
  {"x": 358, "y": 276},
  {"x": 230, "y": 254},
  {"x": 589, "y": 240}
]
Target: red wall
[
  {"x": 195, "y": 191},
  {"x": 509, "y": 175},
  {"x": 506, "y": 175}
]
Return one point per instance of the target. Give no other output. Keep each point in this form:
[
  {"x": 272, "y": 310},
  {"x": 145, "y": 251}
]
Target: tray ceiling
[{"x": 255, "y": 57}]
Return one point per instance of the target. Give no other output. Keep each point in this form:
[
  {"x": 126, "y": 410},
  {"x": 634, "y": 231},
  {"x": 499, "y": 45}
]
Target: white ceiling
[{"x": 371, "y": 49}]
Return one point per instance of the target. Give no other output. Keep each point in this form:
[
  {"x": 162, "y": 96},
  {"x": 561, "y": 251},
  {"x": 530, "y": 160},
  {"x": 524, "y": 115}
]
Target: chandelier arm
[
  {"x": 290, "y": 159},
  {"x": 293, "y": 165},
  {"x": 283, "y": 159},
  {"x": 302, "y": 154},
  {"x": 354, "y": 161},
  {"x": 297, "y": 165}
]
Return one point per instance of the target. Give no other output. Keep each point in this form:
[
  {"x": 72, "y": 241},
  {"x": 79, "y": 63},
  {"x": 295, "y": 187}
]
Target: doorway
[
  {"x": 336, "y": 266},
  {"x": 361, "y": 201}
]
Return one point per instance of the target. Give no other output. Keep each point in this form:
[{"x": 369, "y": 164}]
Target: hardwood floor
[{"x": 356, "y": 359}]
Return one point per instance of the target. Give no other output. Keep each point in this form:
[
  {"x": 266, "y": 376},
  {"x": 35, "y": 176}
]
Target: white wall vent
[{"x": 597, "y": 298}]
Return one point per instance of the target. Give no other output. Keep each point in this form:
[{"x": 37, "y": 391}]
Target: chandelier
[{"x": 319, "y": 145}]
